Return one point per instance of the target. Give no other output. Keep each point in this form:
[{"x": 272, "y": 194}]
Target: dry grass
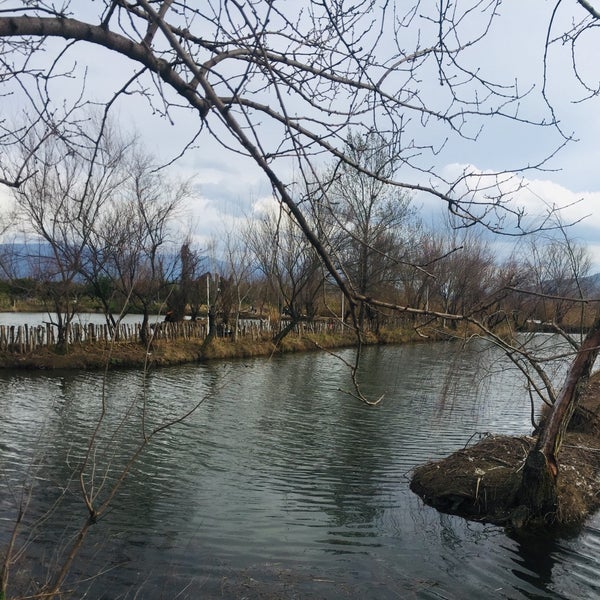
[{"x": 172, "y": 352}]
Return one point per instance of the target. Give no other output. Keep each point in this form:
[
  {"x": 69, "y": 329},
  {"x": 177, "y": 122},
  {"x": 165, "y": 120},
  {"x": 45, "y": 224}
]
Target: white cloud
[
  {"x": 264, "y": 206},
  {"x": 5, "y": 198},
  {"x": 6, "y": 204},
  {"x": 537, "y": 197}
]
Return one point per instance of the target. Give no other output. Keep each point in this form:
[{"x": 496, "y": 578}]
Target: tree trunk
[
  {"x": 145, "y": 329},
  {"x": 212, "y": 321},
  {"x": 295, "y": 318},
  {"x": 537, "y": 494},
  {"x": 537, "y": 497},
  {"x": 285, "y": 331}
]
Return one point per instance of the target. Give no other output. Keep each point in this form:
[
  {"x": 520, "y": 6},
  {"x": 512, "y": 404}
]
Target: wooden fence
[{"x": 22, "y": 339}]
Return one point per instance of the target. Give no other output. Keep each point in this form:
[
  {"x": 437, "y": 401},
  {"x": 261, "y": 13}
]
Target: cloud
[
  {"x": 210, "y": 218},
  {"x": 534, "y": 196},
  {"x": 6, "y": 198},
  {"x": 538, "y": 198},
  {"x": 264, "y": 206}
]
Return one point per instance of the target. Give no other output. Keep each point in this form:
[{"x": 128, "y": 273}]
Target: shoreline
[{"x": 163, "y": 353}]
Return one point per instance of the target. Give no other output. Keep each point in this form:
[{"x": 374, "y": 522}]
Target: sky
[{"x": 228, "y": 187}]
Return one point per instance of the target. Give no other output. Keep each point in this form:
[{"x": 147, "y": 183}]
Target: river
[{"x": 279, "y": 485}]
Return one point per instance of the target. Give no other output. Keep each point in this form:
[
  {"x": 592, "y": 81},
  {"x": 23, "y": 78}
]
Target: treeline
[{"x": 98, "y": 230}]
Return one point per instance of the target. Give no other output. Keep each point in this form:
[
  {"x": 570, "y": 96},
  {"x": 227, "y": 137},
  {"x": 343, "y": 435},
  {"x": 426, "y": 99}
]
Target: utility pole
[{"x": 208, "y": 303}]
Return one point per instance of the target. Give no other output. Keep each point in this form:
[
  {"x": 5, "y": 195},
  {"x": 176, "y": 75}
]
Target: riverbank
[
  {"x": 481, "y": 482},
  {"x": 160, "y": 353}
]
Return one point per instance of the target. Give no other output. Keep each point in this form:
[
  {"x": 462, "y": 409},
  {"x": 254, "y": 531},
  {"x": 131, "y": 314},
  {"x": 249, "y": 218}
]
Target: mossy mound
[{"x": 480, "y": 482}]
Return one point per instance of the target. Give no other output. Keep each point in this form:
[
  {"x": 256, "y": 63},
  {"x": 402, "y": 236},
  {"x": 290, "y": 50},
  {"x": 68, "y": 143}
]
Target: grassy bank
[{"x": 174, "y": 352}]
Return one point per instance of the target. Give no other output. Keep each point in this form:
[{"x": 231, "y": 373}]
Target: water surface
[{"x": 279, "y": 485}]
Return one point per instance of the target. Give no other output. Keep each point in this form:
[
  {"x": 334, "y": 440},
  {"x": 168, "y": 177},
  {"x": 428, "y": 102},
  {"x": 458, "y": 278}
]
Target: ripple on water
[
  {"x": 280, "y": 484},
  {"x": 577, "y": 566}
]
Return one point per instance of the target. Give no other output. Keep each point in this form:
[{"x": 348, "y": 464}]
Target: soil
[
  {"x": 480, "y": 482},
  {"x": 173, "y": 352}
]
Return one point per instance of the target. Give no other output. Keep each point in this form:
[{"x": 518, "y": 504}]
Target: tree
[
  {"x": 537, "y": 494},
  {"x": 464, "y": 272},
  {"x": 227, "y": 66},
  {"x": 289, "y": 85},
  {"x": 558, "y": 266},
  {"x": 239, "y": 269},
  {"x": 185, "y": 292},
  {"x": 138, "y": 234},
  {"x": 289, "y": 263},
  {"x": 58, "y": 202},
  {"x": 372, "y": 220}
]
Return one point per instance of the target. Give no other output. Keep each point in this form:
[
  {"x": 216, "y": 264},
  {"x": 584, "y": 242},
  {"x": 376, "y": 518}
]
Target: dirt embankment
[
  {"x": 174, "y": 352},
  {"x": 480, "y": 482}
]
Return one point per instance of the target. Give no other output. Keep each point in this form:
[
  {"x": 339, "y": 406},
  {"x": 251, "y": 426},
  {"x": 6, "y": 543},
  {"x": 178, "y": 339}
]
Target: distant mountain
[
  {"x": 20, "y": 260},
  {"x": 593, "y": 284}
]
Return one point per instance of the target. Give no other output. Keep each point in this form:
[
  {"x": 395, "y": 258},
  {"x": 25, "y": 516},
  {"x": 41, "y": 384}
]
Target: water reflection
[
  {"x": 534, "y": 559},
  {"x": 279, "y": 486}
]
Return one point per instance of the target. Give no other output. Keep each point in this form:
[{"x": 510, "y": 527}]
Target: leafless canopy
[
  {"x": 583, "y": 25},
  {"x": 282, "y": 83}
]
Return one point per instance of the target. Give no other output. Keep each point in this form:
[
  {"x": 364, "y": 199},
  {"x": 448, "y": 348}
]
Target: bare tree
[
  {"x": 58, "y": 203},
  {"x": 280, "y": 85},
  {"x": 239, "y": 270},
  {"x": 185, "y": 291},
  {"x": 138, "y": 236},
  {"x": 350, "y": 69},
  {"x": 290, "y": 264},
  {"x": 372, "y": 219},
  {"x": 559, "y": 266},
  {"x": 228, "y": 62},
  {"x": 210, "y": 282},
  {"x": 464, "y": 272}
]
